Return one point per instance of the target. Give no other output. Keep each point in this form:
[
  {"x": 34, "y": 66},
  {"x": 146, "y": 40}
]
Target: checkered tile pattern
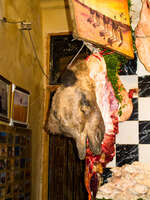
[{"x": 133, "y": 140}]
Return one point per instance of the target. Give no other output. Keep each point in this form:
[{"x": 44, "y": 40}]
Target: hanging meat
[
  {"x": 86, "y": 109},
  {"x": 109, "y": 106},
  {"x": 142, "y": 33},
  {"x": 74, "y": 111}
]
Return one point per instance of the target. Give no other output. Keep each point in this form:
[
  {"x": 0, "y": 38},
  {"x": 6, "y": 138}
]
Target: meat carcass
[
  {"x": 108, "y": 105},
  {"x": 142, "y": 34},
  {"x": 85, "y": 108}
]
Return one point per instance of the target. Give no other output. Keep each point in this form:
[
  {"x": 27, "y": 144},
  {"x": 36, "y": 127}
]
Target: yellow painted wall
[
  {"x": 55, "y": 19},
  {"x": 55, "y": 16},
  {"x": 18, "y": 64}
]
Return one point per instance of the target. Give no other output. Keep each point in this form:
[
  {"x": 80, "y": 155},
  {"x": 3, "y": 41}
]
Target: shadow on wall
[{"x": 68, "y": 15}]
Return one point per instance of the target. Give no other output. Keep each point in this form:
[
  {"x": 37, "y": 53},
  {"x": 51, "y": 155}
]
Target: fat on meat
[
  {"x": 109, "y": 106},
  {"x": 126, "y": 104},
  {"x": 132, "y": 183},
  {"x": 142, "y": 34}
]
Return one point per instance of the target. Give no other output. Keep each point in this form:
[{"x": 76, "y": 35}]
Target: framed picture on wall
[
  {"x": 103, "y": 23},
  {"x": 20, "y": 106},
  {"x": 5, "y": 97}
]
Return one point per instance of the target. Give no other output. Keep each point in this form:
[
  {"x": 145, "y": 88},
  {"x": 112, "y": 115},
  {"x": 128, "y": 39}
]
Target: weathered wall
[{"x": 18, "y": 64}]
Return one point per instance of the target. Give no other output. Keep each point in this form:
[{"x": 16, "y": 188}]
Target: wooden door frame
[{"x": 45, "y": 137}]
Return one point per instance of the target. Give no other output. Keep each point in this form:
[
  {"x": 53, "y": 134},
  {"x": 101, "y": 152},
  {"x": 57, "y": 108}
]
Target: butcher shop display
[
  {"x": 85, "y": 108},
  {"x": 142, "y": 34},
  {"x": 127, "y": 182},
  {"x": 107, "y": 24},
  {"x": 91, "y": 99}
]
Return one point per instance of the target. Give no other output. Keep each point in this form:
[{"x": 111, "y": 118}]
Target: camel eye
[
  {"x": 85, "y": 105},
  {"x": 84, "y": 101}
]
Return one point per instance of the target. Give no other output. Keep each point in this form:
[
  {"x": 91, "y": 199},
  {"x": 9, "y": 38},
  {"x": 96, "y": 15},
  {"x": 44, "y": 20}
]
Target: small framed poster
[
  {"x": 3, "y": 150},
  {"x": 20, "y": 106},
  {"x": 2, "y": 192},
  {"x": 3, "y": 137},
  {"x": 2, "y": 177},
  {"x": 5, "y": 97}
]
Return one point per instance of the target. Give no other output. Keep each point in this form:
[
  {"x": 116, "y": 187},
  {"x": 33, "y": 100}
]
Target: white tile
[
  {"x": 144, "y": 153},
  {"x": 128, "y": 133},
  {"x": 130, "y": 82},
  {"x": 141, "y": 71},
  {"x": 144, "y": 108}
]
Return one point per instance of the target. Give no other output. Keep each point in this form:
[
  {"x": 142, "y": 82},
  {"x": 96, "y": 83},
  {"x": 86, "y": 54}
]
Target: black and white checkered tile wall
[{"x": 133, "y": 140}]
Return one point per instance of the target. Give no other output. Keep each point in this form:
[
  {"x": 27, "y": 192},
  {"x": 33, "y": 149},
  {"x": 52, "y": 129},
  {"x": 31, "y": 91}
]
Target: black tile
[
  {"x": 144, "y": 86},
  {"x": 126, "y": 154},
  {"x": 144, "y": 132},
  {"x": 134, "y": 115},
  {"x": 130, "y": 68},
  {"x": 106, "y": 174}
]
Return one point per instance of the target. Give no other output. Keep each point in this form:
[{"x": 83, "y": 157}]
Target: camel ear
[{"x": 52, "y": 125}]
